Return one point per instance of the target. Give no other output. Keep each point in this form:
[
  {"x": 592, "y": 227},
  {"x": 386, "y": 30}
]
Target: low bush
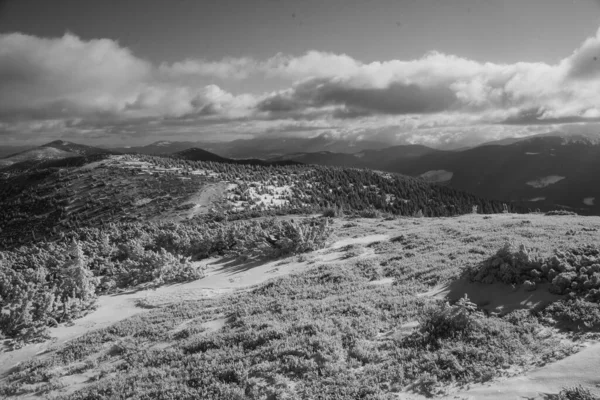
[
  {"x": 560, "y": 212},
  {"x": 33, "y": 298},
  {"x": 447, "y": 322},
  {"x": 574, "y": 314},
  {"x": 272, "y": 238},
  {"x": 575, "y": 272},
  {"x": 49, "y": 283},
  {"x": 576, "y": 393}
]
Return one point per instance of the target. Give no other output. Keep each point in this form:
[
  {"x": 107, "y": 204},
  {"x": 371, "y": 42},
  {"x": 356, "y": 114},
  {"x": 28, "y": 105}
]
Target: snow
[
  {"x": 437, "y": 175},
  {"x": 589, "y": 201},
  {"x": 545, "y": 181}
]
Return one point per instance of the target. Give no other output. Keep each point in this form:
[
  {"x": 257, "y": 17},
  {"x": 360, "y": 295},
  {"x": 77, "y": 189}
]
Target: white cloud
[
  {"x": 228, "y": 68},
  {"x": 95, "y": 86}
]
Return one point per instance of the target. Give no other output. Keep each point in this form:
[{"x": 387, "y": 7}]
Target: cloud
[
  {"x": 70, "y": 86},
  {"x": 228, "y": 68},
  {"x": 396, "y": 98},
  {"x": 584, "y": 63}
]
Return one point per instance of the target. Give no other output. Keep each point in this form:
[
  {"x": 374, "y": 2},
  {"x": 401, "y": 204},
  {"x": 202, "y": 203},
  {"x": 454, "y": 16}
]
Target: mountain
[
  {"x": 36, "y": 155},
  {"x": 59, "y": 195},
  {"x": 270, "y": 147},
  {"x": 258, "y": 148},
  {"x": 541, "y": 172},
  {"x": 162, "y": 147},
  {"x": 590, "y": 138},
  {"x": 75, "y": 148},
  {"x": 55, "y": 150},
  {"x": 377, "y": 159},
  {"x": 197, "y": 154}
]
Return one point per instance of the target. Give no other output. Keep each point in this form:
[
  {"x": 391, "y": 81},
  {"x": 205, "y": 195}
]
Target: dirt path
[
  {"x": 222, "y": 276},
  {"x": 205, "y": 199}
]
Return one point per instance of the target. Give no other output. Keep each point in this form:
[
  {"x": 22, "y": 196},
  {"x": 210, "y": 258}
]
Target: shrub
[
  {"x": 560, "y": 212},
  {"x": 576, "y": 393},
  {"x": 509, "y": 265},
  {"x": 274, "y": 238},
  {"x": 32, "y": 298},
  {"x": 447, "y": 322},
  {"x": 576, "y": 270},
  {"x": 369, "y": 213},
  {"x": 575, "y": 314},
  {"x": 332, "y": 212}
]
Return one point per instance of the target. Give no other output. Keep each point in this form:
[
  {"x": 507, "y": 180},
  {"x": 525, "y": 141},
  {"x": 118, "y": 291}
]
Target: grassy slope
[{"x": 338, "y": 329}]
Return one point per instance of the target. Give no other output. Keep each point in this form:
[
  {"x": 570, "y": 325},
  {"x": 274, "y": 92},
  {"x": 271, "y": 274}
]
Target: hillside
[
  {"x": 37, "y": 154},
  {"x": 162, "y": 147},
  {"x": 363, "y": 315},
  {"x": 543, "y": 171},
  {"x": 196, "y": 154},
  {"x": 79, "y": 149},
  {"x": 378, "y": 159},
  {"x": 58, "y": 149},
  {"x": 6, "y": 151},
  {"x": 45, "y": 199},
  {"x": 257, "y": 148}
]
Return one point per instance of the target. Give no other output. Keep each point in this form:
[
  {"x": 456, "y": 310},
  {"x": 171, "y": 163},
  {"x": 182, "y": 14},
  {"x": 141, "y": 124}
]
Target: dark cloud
[
  {"x": 536, "y": 117},
  {"x": 279, "y": 103},
  {"x": 351, "y": 113},
  {"x": 395, "y": 99}
]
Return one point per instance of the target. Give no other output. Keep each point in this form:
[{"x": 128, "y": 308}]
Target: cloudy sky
[{"x": 445, "y": 73}]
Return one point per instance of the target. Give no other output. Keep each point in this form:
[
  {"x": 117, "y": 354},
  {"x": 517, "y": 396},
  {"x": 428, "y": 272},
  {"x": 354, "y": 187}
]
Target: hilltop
[
  {"x": 56, "y": 150},
  {"x": 79, "y": 149},
  {"x": 59, "y": 195}
]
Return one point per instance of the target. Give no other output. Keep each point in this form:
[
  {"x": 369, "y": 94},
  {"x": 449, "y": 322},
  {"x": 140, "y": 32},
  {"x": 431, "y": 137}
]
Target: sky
[{"x": 444, "y": 73}]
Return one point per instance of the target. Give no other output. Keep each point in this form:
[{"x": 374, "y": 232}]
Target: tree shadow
[
  {"x": 498, "y": 297},
  {"x": 236, "y": 265},
  {"x": 550, "y": 396}
]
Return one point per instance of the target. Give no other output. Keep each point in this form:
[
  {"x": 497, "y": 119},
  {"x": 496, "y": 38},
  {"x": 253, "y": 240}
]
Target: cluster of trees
[
  {"x": 314, "y": 188},
  {"x": 47, "y": 283}
]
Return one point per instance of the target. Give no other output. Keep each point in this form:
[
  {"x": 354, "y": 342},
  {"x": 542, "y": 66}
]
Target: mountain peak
[
  {"x": 76, "y": 148},
  {"x": 59, "y": 143}
]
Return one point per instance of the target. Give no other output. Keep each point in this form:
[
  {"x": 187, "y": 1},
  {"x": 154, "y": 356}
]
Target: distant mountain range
[
  {"x": 258, "y": 148},
  {"x": 55, "y": 150},
  {"x": 196, "y": 154},
  {"x": 60, "y": 149},
  {"x": 543, "y": 171},
  {"x": 540, "y": 172}
]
